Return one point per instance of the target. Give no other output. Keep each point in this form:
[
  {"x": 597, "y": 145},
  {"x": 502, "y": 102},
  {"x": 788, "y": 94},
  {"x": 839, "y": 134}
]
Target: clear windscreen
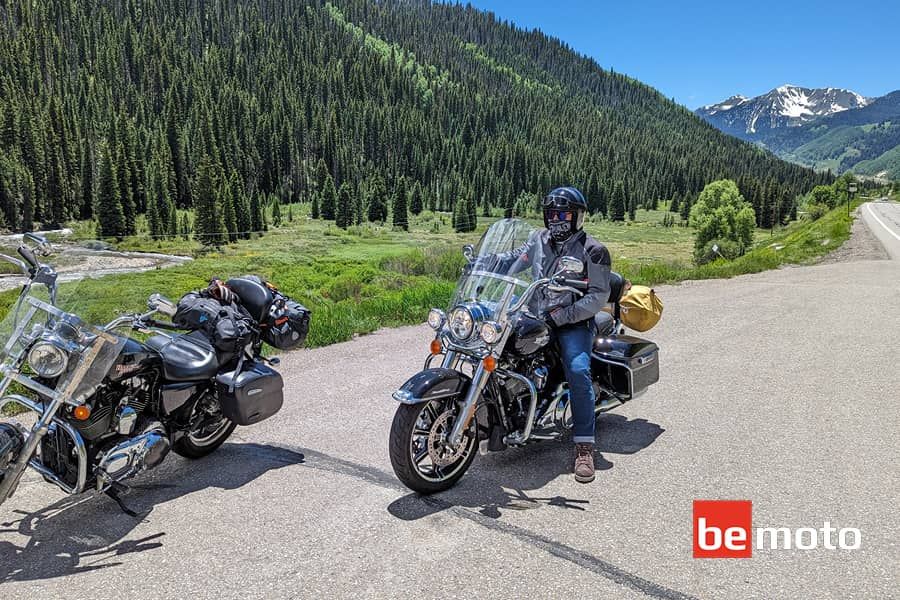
[
  {"x": 500, "y": 271},
  {"x": 86, "y": 353}
]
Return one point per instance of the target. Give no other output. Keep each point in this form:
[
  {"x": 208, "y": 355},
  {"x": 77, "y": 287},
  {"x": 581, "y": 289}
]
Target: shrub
[
  {"x": 721, "y": 213},
  {"x": 727, "y": 249},
  {"x": 815, "y": 211}
]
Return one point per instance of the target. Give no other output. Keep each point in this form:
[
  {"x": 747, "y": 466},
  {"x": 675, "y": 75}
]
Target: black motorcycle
[
  {"x": 107, "y": 406},
  {"x": 500, "y": 382}
]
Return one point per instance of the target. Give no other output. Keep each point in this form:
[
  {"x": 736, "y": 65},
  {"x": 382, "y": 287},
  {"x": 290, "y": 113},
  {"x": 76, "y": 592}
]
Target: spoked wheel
[
  {"x": 421, "y": 457},
  {"x": 208, "y": 431}
]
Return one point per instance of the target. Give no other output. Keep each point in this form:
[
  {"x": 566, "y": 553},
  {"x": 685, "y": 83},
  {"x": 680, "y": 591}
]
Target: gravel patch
[{"x": 862, "y": 245}]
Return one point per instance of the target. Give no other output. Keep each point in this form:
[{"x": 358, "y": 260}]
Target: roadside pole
[{"x": 851, "y": 189}]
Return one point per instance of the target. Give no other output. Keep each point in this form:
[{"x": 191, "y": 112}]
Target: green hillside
[
  {"x": 112, "y": 108},
  {"x": 885, "y": 166}
]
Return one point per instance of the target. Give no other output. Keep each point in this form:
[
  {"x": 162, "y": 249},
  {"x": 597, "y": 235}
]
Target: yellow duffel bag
[{"x": 641, "y": 308}]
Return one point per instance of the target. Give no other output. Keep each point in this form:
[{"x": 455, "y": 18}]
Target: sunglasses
[{"x": 559, "y": 215}]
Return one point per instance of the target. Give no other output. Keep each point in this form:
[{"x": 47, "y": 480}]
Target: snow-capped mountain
[{"x": 785, "y": 106}]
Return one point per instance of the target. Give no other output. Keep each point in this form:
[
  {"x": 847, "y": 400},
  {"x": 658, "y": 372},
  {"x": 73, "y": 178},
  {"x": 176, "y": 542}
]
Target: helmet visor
[{"x": 554, "y": 214}]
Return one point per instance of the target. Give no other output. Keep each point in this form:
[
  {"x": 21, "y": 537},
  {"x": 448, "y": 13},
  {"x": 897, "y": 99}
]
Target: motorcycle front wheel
[{"x": 421, "y": 458}]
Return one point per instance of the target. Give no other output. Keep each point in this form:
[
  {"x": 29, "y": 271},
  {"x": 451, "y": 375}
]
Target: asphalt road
[
  {"x": 883, "y": 218},
  {"x": 780, "y": 388}
]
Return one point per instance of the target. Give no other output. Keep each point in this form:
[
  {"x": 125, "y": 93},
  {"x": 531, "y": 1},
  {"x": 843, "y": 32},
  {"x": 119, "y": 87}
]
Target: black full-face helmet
[{"x": 564, "y": 210}]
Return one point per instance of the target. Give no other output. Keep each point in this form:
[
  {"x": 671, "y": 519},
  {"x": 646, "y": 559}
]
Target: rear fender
[{"x": 433, "y": 384}]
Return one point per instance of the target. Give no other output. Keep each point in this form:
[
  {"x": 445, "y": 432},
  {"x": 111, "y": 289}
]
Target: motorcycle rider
[{"x": 571, "y": 317}]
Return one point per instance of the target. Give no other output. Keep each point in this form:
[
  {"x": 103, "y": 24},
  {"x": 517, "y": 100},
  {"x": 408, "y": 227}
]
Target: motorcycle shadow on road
[
  {"x": 506, "y": 480},
  {"x": 85, "y": 533}
]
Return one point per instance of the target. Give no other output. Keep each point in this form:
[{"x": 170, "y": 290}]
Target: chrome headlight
[
  {"x": 461, "y": 323},
  {"x": 491, "y": 332},
  {"x": 47, "y": 359},
  {"x": 436, "y": 318}
]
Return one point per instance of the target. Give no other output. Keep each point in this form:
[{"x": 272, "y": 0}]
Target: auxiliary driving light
[
  {"x": 491, "y": 332},
  {"x": 436, "y": 318}
]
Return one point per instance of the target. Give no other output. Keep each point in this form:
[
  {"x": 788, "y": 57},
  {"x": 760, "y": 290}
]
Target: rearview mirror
[
  {"x": 469, "y": 252},
  {"x": 160, "y": 303},
  {"x": 570, "y": 264},
  {"x": 40, "y": 242}
]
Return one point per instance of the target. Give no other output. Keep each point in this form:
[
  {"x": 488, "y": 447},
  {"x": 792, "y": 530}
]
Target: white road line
[{"x": 889, "y": 230}]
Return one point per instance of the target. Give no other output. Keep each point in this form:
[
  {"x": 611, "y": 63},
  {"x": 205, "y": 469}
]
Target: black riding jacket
[{"x": 541, "y": 254}]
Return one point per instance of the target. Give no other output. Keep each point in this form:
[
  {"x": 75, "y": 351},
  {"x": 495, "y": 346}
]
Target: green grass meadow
[{"x": 369, "y": 277}]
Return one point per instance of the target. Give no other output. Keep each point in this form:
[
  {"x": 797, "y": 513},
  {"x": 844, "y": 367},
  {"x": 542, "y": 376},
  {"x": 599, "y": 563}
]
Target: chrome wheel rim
[
  {"x": 433, "y": 459},
  {"x": 208, "y": 433}
]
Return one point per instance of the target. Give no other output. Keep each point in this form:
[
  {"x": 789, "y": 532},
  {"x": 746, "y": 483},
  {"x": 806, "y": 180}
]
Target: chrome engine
[
  {"x": 126, "y": 459},
  {"x": 11, "y": 442}
]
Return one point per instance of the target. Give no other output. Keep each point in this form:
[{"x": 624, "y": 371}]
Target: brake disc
[{"x": 441, "y": 453}]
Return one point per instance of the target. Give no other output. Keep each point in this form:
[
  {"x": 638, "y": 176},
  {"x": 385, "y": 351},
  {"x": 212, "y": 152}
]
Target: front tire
[{"x": 419, "y": 458}]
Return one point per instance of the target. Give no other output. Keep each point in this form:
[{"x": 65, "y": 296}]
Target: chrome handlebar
[
  {"x": 529, "y": 292},
  {"x": 133, "y": 320}
]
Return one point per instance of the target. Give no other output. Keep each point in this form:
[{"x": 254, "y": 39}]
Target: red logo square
[{"x": 722, "y": 528}]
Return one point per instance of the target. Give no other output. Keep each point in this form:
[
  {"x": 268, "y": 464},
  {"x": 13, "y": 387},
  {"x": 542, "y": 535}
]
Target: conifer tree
[
  {"x": 209, "y": 222},
  {"x": 358, "y": 210},
  {"x": 110, "y": 218},
  {"x": 276, "y": 211},
  {"x": 400, "y": 213},
  {"x": 26, "y": 199},
  {"x": 617, "y": 204},
  {"x": 415, "y": 204},
  {"x": 123, "y": 173},
  {"x": 329, "y": 199},
  {"x": 228, "y": 209},
  {"x": 86, "y": 208},
  {"x": 378, "y": 211},
  {"x": 344, "y": 212},
  {"x": 314, "y": 209},
  {"x": 185, "y": 227},
  {"x": 256, "y": 213},
  {"x": 241, "y": 207}
]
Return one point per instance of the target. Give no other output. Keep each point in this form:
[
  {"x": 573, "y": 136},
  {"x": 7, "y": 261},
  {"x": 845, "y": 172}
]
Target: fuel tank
[
  {"x": 528, "y": 336},
  {"x": 135, "y": 358}
]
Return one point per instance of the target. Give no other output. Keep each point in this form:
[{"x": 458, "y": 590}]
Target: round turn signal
[
  {"x": 436, "y": 346},
  {"x": 490, "y": 363},
  {"x": 81, "y": 413}
]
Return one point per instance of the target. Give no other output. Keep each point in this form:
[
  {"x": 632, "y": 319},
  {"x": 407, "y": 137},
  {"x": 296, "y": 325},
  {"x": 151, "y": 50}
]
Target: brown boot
[{"x": 584, "y": 463}]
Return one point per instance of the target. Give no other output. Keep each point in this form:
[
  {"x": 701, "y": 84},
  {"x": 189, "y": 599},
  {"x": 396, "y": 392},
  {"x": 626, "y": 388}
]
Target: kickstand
[{"x": 116, "y": 491}]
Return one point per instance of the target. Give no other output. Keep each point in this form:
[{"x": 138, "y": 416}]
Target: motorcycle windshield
[
  {"x": 50, "y": 349},
  {"x": 500, "y": 271}
]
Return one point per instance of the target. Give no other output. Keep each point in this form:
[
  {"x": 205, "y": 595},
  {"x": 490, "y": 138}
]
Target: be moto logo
[{"x": 724, "y": 529}]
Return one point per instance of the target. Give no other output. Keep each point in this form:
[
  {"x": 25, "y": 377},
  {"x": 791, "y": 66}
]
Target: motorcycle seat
[
  {"x": 186, "y": 357},
  {"x": 604, "y": 323}
]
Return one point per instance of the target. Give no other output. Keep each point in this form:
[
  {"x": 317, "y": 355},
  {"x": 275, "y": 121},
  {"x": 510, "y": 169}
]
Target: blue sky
[{"x": 703, "y": 52}]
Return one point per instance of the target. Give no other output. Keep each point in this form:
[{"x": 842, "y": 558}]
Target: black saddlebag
[
  {"x": 627, "y": 365},
  {"x": 251, "y": 395}
]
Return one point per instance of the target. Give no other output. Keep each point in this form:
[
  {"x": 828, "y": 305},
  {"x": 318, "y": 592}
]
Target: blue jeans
[{"x": 576, "y": 342}]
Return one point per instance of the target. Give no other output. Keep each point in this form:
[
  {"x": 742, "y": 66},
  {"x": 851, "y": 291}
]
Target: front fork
[{"x": 467, "y": 410}]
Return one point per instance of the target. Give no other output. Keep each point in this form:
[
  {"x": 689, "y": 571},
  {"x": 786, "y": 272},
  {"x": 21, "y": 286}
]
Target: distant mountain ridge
[{"x": 825, "y": 128}]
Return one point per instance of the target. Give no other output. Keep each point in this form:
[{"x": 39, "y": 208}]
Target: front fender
[{"x": 432, "y": 384}]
